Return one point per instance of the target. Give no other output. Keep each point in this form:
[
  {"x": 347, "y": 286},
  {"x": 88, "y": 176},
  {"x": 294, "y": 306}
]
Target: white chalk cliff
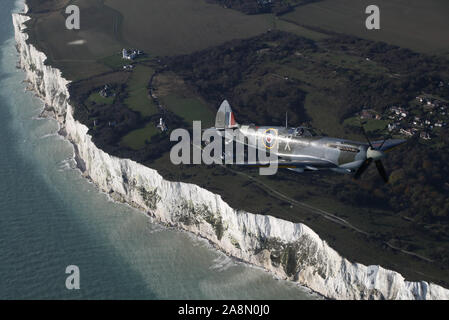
[{"x": 288, "y": 250}]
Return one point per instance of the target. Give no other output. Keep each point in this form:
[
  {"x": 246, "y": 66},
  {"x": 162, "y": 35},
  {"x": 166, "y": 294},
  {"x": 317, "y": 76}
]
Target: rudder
[{"x": 225, "y": 117}]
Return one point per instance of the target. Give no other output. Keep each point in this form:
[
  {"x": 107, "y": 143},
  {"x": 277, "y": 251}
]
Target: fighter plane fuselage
[
  {"x": 300, "y": 145},
  {"x": 300, "y": 149}
]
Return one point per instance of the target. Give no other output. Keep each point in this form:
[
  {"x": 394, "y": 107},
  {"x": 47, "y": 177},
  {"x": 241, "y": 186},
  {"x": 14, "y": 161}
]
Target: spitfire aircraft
[{"x": 300, "y": 149}]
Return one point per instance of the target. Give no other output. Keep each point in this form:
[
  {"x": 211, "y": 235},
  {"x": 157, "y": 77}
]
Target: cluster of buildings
[
  {"x": 431, "y": 114},
  {"x": 130, "y": 54},
  {"x": 419, "y": 118}
]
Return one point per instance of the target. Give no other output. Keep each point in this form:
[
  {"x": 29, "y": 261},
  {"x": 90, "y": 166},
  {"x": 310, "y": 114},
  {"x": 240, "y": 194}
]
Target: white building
[
  {"x": 392, "y": 126},
  {"x": 129, "y": 55},
  {"x": 162, "y": 125}
]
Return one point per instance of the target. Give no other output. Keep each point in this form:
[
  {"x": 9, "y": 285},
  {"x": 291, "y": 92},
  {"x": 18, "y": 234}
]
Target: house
[
  {"x": 125, "y": 54},
  {"x": 399, "y": 111},
  {"x": 429, "y": 105},
  {"x": 130, "y": 54},
  {"x": 407, "y": 132},
  {"x": 395, "y": 110},
  {"x": 392, "y": 126},
  {"x": 162, "y": 125},
  {"x": 424, "y": 135},
  {"x": 368, "y": 114},
  {"x": 106, "y": 91},
  {"x": 128, "y": 67}
]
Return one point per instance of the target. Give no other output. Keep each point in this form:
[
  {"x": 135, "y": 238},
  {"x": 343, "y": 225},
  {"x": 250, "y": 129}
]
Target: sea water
[{"x": 51, "y": 217}]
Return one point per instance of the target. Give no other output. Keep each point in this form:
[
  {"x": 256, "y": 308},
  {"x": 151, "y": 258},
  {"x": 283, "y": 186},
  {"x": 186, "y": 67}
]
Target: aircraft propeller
[{"x": 373, "y": 154}]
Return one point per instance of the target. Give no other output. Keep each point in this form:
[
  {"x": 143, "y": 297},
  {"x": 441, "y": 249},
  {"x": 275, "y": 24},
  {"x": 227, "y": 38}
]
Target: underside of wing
[
  {"x": 388, "y": 145},
  {"x": 306, "y": 162},
  {"x": 298, "y": 162}
]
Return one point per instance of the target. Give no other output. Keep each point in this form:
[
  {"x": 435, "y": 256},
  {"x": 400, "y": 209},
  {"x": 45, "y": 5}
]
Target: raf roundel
[{"x": 270, "y": 138}]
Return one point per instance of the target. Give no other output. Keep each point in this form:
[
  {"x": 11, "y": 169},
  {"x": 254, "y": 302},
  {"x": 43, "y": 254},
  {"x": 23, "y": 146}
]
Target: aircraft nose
[{"x": 374, "y": 154}]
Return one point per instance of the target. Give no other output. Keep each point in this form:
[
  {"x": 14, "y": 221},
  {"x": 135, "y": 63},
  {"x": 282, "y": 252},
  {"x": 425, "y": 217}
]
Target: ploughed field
[{"x": 273, "y": 66}]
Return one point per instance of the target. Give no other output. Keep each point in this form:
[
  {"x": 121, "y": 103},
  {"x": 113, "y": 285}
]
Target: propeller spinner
[{"x": 373, "y": 154}]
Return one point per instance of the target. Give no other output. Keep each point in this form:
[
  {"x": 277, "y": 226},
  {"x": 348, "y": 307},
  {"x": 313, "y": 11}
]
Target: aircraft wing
[
  {"x": 306, "y": 162},
  {"x": 389, "y": 144},
  {"x": 298, "y": 162}
]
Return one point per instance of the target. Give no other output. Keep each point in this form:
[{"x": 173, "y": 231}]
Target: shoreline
[{"x": 321, "y": 269}]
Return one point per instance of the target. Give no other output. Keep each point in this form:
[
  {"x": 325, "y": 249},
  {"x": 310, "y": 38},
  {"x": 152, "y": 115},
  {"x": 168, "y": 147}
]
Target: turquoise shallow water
[{"x": 50, "y": 217}]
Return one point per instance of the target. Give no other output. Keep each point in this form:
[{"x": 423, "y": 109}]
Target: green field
[
  {"x": 100, "y": 33},
  {"x": 283, "y": 25},
  {"x": 168, "y": 27},
  {"x": 98, "y": 99},
  {"x": 190, "y": 109},
  {"x": 325, "y": 110},
  {"x": 115, "y": 61},
  {"x": 347, "y": 61},
  {"x": 138, "y": 138},
  {"x": 414, "y": 24},
  {"x": 370, "y": 125},
  {"x": 184, "y": 26},
  {"x": 159, "y": 27},
  {"x": 138, "y": 99}
]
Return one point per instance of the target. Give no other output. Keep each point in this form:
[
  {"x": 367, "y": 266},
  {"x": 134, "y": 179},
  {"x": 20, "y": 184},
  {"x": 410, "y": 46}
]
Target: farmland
[
  {"x": 138, "y": 138},
  {"x": 138, "y": 99},
  {"x": 190, "y": 109},
  {"x": 413, "y": 24},
  {"x": 170, "y": 27},
  {"x": 191, "y": 25}
]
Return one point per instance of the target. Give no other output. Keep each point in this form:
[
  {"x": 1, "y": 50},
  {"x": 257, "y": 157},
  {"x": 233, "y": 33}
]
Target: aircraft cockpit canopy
[{"x": 302, "y": 132}]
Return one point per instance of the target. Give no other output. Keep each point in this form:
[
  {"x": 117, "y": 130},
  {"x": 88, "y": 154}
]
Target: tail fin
[{"x": 225, "y": 117}]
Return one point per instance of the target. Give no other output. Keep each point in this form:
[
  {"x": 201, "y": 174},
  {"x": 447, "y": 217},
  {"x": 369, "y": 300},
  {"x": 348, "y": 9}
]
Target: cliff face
[{"x": 290, "y": 251}]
